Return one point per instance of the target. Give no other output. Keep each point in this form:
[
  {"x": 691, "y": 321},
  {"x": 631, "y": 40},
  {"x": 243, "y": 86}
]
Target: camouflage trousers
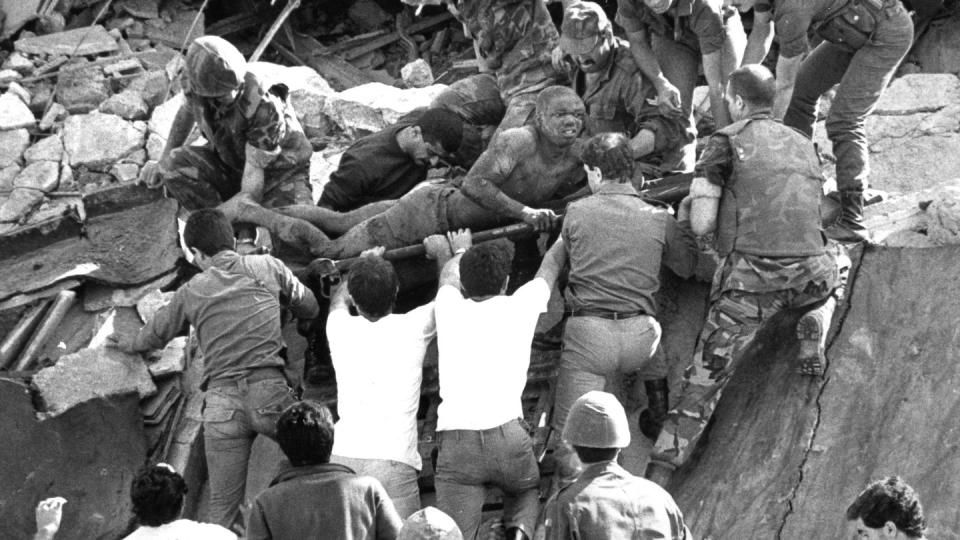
[
  {"x": 734, "y": 318},
  {"x": 198, "y": 178},
  {"x": 478, "y": 101}
]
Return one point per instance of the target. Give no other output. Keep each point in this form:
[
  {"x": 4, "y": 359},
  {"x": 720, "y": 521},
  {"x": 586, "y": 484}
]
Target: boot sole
[{"x": 808, "y": 333}]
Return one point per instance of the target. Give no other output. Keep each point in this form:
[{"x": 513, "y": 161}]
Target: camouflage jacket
[{"x": 515, "y": 39}]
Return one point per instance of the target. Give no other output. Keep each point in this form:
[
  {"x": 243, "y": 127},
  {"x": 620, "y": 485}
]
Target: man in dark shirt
[
  {"x": 863, "y": 43},
  {"x": 387, "y": 164},
  {"x": 616, "y": 244},
  {"x": 313, "y": 498},
  {"x": 618, "y": 97},
  {"x": 234, "y": 305}
]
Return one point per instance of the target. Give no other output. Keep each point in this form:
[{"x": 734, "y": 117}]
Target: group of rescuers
[{"x": 548, "y": 110}]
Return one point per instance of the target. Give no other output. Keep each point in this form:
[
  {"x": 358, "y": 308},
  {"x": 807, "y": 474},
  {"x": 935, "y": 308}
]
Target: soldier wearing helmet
[
  {"x": 256, "y": 157},
  {"x": 606, "y": 501}
]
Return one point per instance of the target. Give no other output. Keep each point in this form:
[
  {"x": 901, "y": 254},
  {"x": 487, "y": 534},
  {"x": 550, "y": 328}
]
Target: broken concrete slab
[
  {"x": 67, "y": 182},
  {"x": 152, "y": 87},
  {"x": 308, "y": 92},
  {"x": 417, "y": 74},
  {"x": 172, "y": 359},
  {"x": 19, "y": 204},
  {"x": 13, "y": 143},
  {"x": 127, "y": 104},
  {"x": 98, "y": 140},
  {"x": 7, "y": 176},
  {"x": 41, "y": 176},
  {"x": 322, "y": 165},
  {"x": 20, "y": 92},
  {"x": 86, "y": 41},
  {"x": 14, "y": 113},
  {"x": 162, "y": 118},
  {"x": 919, "y": 93},
  {"x": 49, "y": 148},
  {"x": 371, "y": 107},
  {"x": 150, "y": 303},
  {"x": 67, "y": 456},
  {"x": 127, "y": 66},
  {"x": 54, "y": 114},
  {"x": 943, "y": 225},
  {"x": 17, "y": 13},
  {"x": 142, "y": 9},
  {"x": 19, "y": 63},
  {"x": 98, "y": 297},
  {"x": 83, "y": 90},
  {"x": 125, "y": 172},
  {"x": 9, "y": 75}
]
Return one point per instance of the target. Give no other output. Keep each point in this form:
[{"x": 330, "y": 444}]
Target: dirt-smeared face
[{"x": 562, "y": 120}]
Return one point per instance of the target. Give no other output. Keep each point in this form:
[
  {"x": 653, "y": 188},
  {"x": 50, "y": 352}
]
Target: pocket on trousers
[{"x": 267, "y": 400}]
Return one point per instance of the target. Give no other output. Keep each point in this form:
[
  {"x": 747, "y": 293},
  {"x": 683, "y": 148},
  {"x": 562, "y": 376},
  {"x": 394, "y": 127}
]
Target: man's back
[{"x": 323, "y": 501}]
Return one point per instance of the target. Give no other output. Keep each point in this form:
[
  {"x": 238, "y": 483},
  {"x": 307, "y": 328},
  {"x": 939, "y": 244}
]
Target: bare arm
[
  {"x": 643, "y": 143},
  {"x": 182, "y": 125},
  {"x": 553, "y": 262},
  {"x": 761, "y": 37},
  {"x": 668, "y": 94},
  {"x": 459, "y": 242},
  {"x": 787, "y": 69},
  {"x": 714, "y": 73}
]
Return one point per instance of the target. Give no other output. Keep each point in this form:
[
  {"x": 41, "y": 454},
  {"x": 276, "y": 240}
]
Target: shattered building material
[
  {"x": 87, "y": 41},
  {"x": 61, "y": 304},
  {"x": 13, "y": 143},
  {"x": 374, "y": 106},
  {"x": 18, "y": 336},
  {"x": 97, "y": 140},
  {"x": 14, "y": 113}
]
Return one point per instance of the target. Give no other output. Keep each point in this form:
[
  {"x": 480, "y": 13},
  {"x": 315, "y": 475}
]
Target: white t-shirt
[
  {"x": 379, "y": 368},
  {"x": 182, "y": 529},
  {"x": 484, "y": 354}
]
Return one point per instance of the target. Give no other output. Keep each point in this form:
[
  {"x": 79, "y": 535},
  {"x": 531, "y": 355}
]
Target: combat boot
[
  {"x": 658, "y": 403},
  {"x": 812, "y": 335},
  {"x": 849, "y": 227}
]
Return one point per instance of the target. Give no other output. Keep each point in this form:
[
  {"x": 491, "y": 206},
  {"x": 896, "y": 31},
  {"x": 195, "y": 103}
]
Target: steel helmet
[
  {"x": 214, "y": 67},
  {"x": 597, "y": 420}
]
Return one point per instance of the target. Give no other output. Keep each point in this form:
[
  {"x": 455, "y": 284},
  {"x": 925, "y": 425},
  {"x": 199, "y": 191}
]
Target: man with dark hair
[
  {"x": 378, "y": 359},
  {"x": 616, "y": 244},
  {"x": 234, "y": 305},
  {"x": 313, "y": 498},
  {"x": 862, "y": 45},
  {"x": 484, "y": 338},
  {"x": 888, "y": 508},
  {"x": 523, "y": 169},
  {"x": 606, "y": 501},
  {"x": 617, "y": 95},
  {"x": 388, "y": 164},
  {"x": 257, "y": 157},
  {"x": 758, "y": 194},
  {"x": 157, "y": 494}
]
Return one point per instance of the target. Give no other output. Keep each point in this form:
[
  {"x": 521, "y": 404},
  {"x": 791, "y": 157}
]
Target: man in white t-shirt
[
  {"x": 484, "y": 339},
  {"x": 378, "y": 358},
  {"x": 157, "y": 494}
]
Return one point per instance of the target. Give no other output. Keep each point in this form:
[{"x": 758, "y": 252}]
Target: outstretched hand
[
  {"x": 460, "y": 240},
  {"x": 376, "y": 251},
  {"x": 49, "y": 514},
  {"x": 541, "y": 219},
  {"x": 436, "y": 246}
]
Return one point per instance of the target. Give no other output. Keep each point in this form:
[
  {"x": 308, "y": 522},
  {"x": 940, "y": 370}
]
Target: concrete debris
[
  {"x": 417, "y": 74},
  {"x": 126, "y": 66},
  {"x": 19, "y": 63},
  {"x": 943, "y": 226},
  {"x": 155, "y": 144},
  {"x": 127, "y": 104},
  {"x": 912, "y": 94},
  {"x": 19, "y": 204},
  {"x": 47, "y": 149},
  {"x": 17, "y": 13},
  {"x": 14, "y": 113},
  {"x": 308, "y": 93},
  {"x": 172, "y": 359},
  {"x": 41, "y": 98},
  {"x": 12, "y": 145},
  {"x": 143, "y": 9},
  {"x": 40, "y": 176},
  {"x": 67, "y": 182},
  {"x": 368, "y": 15},
  {"x": 7, "y": 176},
  {"x": 938, "y": 49},
  {"x": 322, "y": 165},
  {"x": 371, "y": 107},
  {"x": 83, "y": 90},
  {"x": 8, "y": 75},
  {"x": 125, "y": 172},
  {"x": 158, "y": 58},
  {"x": 174, "y": 33},
  {"x": 54, "y": 115},
  {"x": 20, "y": 92},
  {"x": 86, "y": 41},
  {"x": 98, "y": 140},
  {"x": 138, "y": 158},
  {"x": 162, "y": 118},
  {"x": 151, "y": 303},
  {"x": 90, "y": 374},
  {"x": 152, "y": 87}
]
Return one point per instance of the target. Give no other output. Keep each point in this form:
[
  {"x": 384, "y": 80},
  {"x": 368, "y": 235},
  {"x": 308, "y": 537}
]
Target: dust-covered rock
[
  {"x": 42, "y": 176},
  {"x": 127, "y": 104},
  {"x": 19, "y": 204},
  {"x": 14, "y": 113},
  {"x": 7, "y": 176},
  {"x": 417, "y": 74},
  {"x": 46, "y": 149},
  {"x": 83, "y": 90},
  {"x": 84, "y": 41},
  {"x": 54, "y": 114},
  {"x": 172, "y": 359},
  {"x": 308, "y": 92},
  {"x": 19, "y": 63},
  {"x": 125, "y": 172},
  {"x": 152, "y": 87},
  {"x": 12, "y": 145},
  {"x": 371, "y": 107},
  {"x": 98, "y": 140}
]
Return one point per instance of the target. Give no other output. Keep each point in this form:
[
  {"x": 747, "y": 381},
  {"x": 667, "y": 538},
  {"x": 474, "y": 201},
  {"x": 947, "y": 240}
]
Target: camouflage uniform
[
  {"x": 515, "y": 39},
  {"x": 750, "y": 288},
  {"x": 261, "y": 126},
  {"x": 621, "y": 100}
]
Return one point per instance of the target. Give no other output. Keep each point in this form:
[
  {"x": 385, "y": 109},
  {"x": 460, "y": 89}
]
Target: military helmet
[
  {"x": 597, "y": 420},
  {"x": 214, "y": 67}
]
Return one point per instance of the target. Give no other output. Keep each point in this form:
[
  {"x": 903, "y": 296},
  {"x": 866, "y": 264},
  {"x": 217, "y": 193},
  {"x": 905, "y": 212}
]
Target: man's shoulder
[{"x": 520, "y": 140}]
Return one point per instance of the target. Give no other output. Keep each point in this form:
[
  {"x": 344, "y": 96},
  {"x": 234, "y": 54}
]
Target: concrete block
[
  {"x": 19, "y": 204},
  {"x": 46, "y": 149},
  {"x": 12, "y": 145},
  {"x": 84, "y": 41},
  {"x": 7, "y": 176},
  {"x": 417, "y": 74},
  {"x": 14, "y": 113},
  {"x": 40, "y": 176},
  {"x": 127, "y": 104},
  {"x": 152, "y": 302},
  {"x": 170, "y": 360},
  {"x": 56, "y": 113},
  {"x": 371, "y": 107},
  {"x": 98, "y": 140},
  {"x": 19, "y": 63}
]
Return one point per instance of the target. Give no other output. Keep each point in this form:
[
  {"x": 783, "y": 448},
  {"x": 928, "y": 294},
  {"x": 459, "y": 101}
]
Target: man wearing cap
[
  {"x": 618, "y": 97},
  {"x": 513, "y": 40},
  {"x": 387, "y": 164},
  {"x": 615, "y": 243},
  {"x": 607, "y": 502},
  {"x": 256, "y": 157}
]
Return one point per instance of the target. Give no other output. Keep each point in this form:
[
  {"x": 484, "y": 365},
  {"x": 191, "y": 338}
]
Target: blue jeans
[
  {"x": 471, "y": 460},
  {"x": 862, "y": 75},
  {"x": 233, "y": 415},
  {"x": 399, "y": 479}
]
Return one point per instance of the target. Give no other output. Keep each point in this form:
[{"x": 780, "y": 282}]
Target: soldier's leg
[
  {"x": 476, "y": 99},
  {"x": 332, "y": 222},
  {"x": 818, "y": 73},
  {"x": 732, "y": 322},
  {"x": 813, "y": 326},
  {"x": 199, "y": 179},
  {"x": 519, "y": 112}
]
